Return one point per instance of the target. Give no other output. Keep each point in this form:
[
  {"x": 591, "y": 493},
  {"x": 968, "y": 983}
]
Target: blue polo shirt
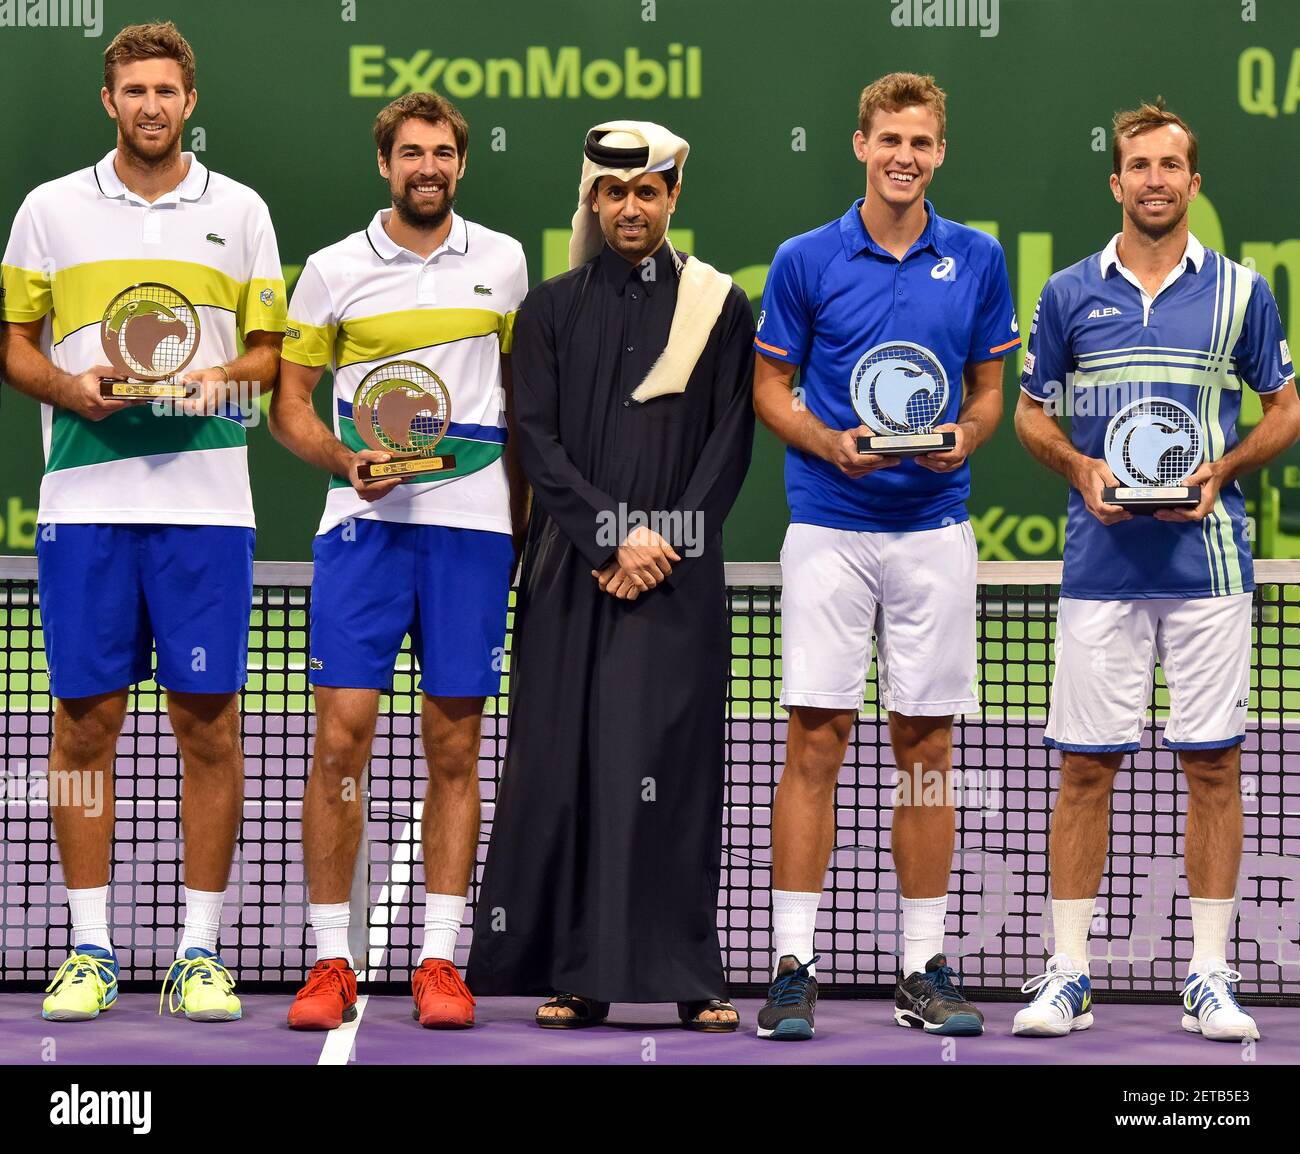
[
  {"x": 835, "y": 303},
  {"x": 1099, "y": 343}
]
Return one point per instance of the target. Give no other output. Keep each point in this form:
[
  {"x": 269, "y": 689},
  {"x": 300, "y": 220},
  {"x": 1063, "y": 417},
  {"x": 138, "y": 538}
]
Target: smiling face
[
  {"x": 634, "y": 214},
  {"x": 150, "y": 103},
  {"x": 901, "y": 151},
  {"x": 1155, "y": 183},
  {"x": 422, "y": 172}
]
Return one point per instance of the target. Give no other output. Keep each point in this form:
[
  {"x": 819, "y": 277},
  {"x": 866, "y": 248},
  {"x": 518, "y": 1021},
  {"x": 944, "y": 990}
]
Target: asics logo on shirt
[
  {"x": 1097, "y": 314},
  {"x": 945, "y": 269}
]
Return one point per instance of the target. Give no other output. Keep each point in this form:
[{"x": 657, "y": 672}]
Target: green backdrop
[{"x": 766, "y": 92}]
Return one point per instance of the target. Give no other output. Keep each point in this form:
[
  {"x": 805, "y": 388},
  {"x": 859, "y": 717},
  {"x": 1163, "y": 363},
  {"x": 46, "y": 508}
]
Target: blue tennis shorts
[
  {"x": 111, "y": 595},
  {"x": 376, "y": 581}
]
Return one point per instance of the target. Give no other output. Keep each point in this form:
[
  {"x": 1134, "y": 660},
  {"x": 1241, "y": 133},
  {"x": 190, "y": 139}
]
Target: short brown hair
[
  {"x": 427, "y": 106},
  {"x": 897, "y": 91},
  {"x": 1136, "y": 121},
  {"x": 160, "y": 41}
]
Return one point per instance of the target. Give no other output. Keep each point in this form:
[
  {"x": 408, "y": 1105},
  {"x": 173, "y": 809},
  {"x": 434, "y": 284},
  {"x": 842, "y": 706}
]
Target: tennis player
[
  {"x": 891, "y": 296},
  {"x": 145, "y": 540},
  {"x": 1191, "y": 329},
  {"x": 430, "y": 554}
]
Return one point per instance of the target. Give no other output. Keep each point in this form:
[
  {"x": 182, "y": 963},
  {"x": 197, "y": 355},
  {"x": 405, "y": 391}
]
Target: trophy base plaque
[
  {"x": 907, "y": 444},
  {"x": 405, "y": 467},
  {"x": 1148, "y": 499},
  {"x": 116, "y": 388}
]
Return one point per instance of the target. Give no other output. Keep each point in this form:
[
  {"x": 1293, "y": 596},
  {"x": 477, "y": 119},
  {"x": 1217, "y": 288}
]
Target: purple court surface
[{"x": 848, "y": 1032}]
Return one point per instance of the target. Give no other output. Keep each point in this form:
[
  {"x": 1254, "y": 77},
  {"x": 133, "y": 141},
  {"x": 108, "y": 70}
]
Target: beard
[
  {"x": 1161, "y": 230},
  {"x": 162, "y": 151},
  {"x": 627, "y": 247},
  {"x": 423, "y": 217}
]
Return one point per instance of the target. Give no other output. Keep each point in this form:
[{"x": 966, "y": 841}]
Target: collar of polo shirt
[
  {"x": 388, "y": 249},
  {"x": 1109, "y": 259},
  {"x": 856, "y": 239},
  {"x": 192, "y": 187}
]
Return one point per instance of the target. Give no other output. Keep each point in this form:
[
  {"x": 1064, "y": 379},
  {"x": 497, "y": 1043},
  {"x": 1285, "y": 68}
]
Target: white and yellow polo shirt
[
  {"x": 75, "y": 244},
  {"x": 365, "y": 301}
]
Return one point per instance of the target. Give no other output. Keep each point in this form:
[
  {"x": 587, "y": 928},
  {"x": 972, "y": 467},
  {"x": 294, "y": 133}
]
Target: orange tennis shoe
[
  {"x": 328, "y": 999},
  {"x": 442, "y": 1000}
]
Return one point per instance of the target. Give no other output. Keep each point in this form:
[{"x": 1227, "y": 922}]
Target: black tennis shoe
[
  {"x": 787, "y": 1015},
  {"x": 933, "y": 1002}
]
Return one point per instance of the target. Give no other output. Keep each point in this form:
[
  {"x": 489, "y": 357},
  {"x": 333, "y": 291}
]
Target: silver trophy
[
  {"x": 900, "y": 391},
  {"x": 1151, "y": 445}
]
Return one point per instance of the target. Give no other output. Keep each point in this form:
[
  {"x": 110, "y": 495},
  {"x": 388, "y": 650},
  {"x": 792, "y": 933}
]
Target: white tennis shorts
[
  {"x": 914, "y": 591},
  {"x": 1105, "y": 665}
]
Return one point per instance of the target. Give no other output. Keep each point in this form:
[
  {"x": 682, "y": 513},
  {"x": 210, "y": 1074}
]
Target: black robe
[{"x": 601, "y": 877}]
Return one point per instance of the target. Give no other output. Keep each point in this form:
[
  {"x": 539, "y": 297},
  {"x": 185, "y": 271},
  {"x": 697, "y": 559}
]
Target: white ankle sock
[
  {"x": 794, "y": 921},
  {"x": 330, "y": 923},
  {"x": 443, "y": 914},
  {"x": 1071, "y": 921},
  {"x": 202, "y": 921},
  {"x": 923, "y": 921},
  {"x": 1211, "y": 921},
  {"x": 89, "y": 910}
]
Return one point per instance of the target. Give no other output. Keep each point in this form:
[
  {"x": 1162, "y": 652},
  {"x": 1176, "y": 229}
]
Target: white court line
[
  {"x": 393, "y": 895},
  {"x": 338, "y": 1043}
]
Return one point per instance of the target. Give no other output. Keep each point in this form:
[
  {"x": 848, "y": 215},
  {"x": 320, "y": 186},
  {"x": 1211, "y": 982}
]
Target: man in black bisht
[{"x": 633, "y": 408}]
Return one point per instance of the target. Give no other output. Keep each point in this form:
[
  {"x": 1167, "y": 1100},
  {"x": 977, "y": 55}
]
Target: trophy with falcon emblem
[
  {"x": 150, "y": 333},
  {"x": 900, "y": 391}
]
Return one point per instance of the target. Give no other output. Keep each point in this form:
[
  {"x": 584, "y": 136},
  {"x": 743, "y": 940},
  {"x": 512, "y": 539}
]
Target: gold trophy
[
  {"x": 150, "y": 333},
  {"x": 404, "y": 409}
]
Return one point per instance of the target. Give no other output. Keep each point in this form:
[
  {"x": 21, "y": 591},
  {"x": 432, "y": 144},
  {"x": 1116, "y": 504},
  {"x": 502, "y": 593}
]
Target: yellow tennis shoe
[
  {"x": 84, "y": 985},
  {"x": 200, "y": 987}
]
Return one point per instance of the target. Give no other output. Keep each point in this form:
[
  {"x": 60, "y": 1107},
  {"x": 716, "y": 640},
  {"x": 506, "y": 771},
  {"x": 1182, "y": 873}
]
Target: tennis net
[{"x": 999, "y": 921}]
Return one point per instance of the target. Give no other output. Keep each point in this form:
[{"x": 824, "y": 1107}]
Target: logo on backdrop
[
  {"x": 1153, "y": 442},
  {"x": 899, "y": 387}
]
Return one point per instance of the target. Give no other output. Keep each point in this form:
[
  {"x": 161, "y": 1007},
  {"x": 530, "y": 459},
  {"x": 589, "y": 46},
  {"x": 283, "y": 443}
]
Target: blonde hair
[{"x": 897, "y": 91}]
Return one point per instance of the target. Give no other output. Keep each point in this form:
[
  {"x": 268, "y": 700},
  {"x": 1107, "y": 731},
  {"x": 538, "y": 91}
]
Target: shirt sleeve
[
  {"x": 996, "y": 332},
  {"x": 261, "y": 297},
  {"x": 1049, "y": 360},
  {"x": 1261, "y": 357},
  {"x": 515, "y": 293},
  {"x": 786, "y": 318},
  {"x": 26, "y": 287},
  {"x": 311, "y": 327}
]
